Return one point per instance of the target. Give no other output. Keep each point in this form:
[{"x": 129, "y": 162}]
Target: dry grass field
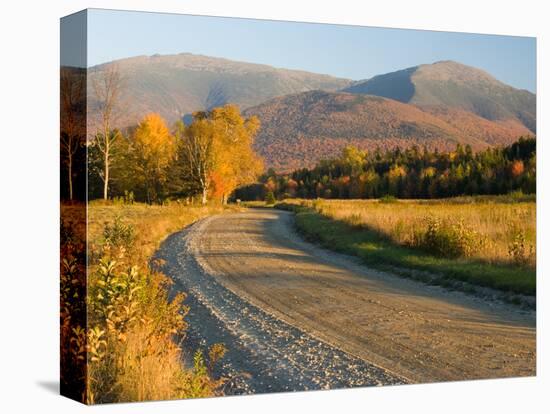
[
  {"x": 498, "y": 225},
  {"x": 484, "y": 240},
  {"x": 152, "y": 223}
]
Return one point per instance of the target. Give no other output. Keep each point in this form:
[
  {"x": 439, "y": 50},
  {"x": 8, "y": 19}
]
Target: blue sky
[{"x": 346, "y": 51}]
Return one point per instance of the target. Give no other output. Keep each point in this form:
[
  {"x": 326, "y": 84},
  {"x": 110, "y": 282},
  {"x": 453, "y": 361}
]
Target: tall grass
[
  {"x": 130, "y": 343},
  {"x": 487, "y": 241},
  {"x": 152, "y": 223},
  {"x": 485, "y": 228}
]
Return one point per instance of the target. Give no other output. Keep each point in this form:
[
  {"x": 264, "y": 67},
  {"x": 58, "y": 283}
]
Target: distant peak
[
  {"x": 450, "y": 69},
  {"x": 448, "y": 62}
]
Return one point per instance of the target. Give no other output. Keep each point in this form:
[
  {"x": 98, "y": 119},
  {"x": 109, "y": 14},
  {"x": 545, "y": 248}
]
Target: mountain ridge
[
  {"x": 179, "y": 84},
  {"x": 300, "y": 129},
  {"x": 453, "y": 84}
]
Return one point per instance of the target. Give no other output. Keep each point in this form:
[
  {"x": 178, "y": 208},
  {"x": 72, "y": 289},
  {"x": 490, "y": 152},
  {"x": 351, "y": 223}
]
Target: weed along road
[{"x": 295, "y": 316}]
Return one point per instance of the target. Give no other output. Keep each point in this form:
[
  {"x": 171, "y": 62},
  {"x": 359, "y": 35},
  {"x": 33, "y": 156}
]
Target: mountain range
[
  {"x": 177, "y": 85},
  {"x": 306, "y": 116}
]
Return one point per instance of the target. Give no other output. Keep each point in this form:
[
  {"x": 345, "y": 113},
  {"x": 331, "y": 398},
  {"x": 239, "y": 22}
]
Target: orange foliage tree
[{"x": 215, "y": 152}]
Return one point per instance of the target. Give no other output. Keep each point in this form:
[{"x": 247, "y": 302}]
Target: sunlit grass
[
  {"x": 153, "y": 223},
  {"x": 132, "y": 352},
  {"x": 383, "y": 234},
  {"x": 497, "y": 223}
]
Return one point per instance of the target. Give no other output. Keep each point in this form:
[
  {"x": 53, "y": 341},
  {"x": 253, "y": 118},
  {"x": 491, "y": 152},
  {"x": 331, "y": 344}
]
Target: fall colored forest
[
  {"x": 410, "y": 174},
  {"x": 152, "y": 161},
  {"x": 211, "y": 157}
]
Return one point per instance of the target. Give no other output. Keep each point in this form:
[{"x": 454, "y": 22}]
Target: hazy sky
[{"x": 345, "y": 51}]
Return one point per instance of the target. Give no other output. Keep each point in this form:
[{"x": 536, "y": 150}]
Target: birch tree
[
  {"x": 216, "y": 154},
  {"x": 196, "y": 156},
  {"x": 107, "y": 86}
]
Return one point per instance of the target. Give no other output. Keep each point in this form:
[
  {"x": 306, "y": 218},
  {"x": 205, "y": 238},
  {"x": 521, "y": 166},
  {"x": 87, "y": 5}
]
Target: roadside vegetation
[
  {"x": 486, "y": 241},
  {"x": 130, "y": 341}
]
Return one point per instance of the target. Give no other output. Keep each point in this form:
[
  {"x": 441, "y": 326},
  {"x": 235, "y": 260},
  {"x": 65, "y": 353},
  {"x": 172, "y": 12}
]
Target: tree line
[
  {"x": 408, "y": 173},
  {"x": 151, "y": 162}
]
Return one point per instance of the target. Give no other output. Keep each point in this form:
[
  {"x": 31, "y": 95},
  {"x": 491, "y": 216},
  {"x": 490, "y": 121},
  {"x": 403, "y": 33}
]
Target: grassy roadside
[
  {"x": 381, "y": 252},
  {"x": 130, "y": 337},
  {"x": 152, "y": 223}
]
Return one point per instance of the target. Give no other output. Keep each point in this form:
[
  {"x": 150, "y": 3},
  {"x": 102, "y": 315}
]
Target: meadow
[
  {"x": 494, "y": 223},
  {"x": 485, "y": 240},
  {"x": 151, "y": 223}
]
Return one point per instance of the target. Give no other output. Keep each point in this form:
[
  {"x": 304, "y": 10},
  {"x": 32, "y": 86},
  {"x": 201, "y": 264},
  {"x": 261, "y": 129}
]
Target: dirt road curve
[{"x": 295, "y": 316}]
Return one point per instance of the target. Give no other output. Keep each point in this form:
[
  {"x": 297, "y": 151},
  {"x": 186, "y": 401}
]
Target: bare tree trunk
[
  {"x": 204, "y": 196},
  {"x": 106, "y": 169},
  {"x": 70, "y": 168},
  {"x": 72, "y": 119},
  {"x": 148, "y": 196},
  {"x": 106, "y": 180},
  {"x": 107, "y": 89}
]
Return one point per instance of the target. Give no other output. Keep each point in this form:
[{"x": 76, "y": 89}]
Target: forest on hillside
[{"x": 410, "y": 173}]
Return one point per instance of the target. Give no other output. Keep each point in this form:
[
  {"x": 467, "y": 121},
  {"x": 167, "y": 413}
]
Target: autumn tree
[
  {"x": 196, "y": 154},
  {"x": 215, "y": 152},
  {"x": 354, "y": 159},
  {"x": 107, "y": 86},
  {"x": 153, "y": 149},
  {"x": 517, "y": 168},
  {"x": 236, "y": 163},
  {"x": 395, "y": 176}
]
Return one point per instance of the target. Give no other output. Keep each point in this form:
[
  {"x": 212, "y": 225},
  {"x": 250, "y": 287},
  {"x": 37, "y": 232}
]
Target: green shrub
[
  {"x": 516, "y": 194},
  {"x": 130, "y": 340},
  {"x": 119, "y": 234},
  {"x": 270, "y": 198},
  {"x": 127, "y": 199},
  {"x": 388, "y": 199},
  {"x": 448, "y": 239},
  {"x": 520, "y": 251}
]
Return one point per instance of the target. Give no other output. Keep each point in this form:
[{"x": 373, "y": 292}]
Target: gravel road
[{"x": 298, "y": 317}]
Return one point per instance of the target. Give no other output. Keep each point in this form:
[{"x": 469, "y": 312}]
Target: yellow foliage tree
[
  {"x": 216, "y": 151},
  {"x": 154, "y": 148},
  {"x": 236, "y": 163}
]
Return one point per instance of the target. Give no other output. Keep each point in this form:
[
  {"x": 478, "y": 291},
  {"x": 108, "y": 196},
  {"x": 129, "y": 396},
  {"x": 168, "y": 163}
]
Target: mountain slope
[
  {"x": 176, "y": 85},
  {"x": 298, "y": 130},
  {"x": 455, "y": 85},
  {"x": 437, "y": 105}
]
